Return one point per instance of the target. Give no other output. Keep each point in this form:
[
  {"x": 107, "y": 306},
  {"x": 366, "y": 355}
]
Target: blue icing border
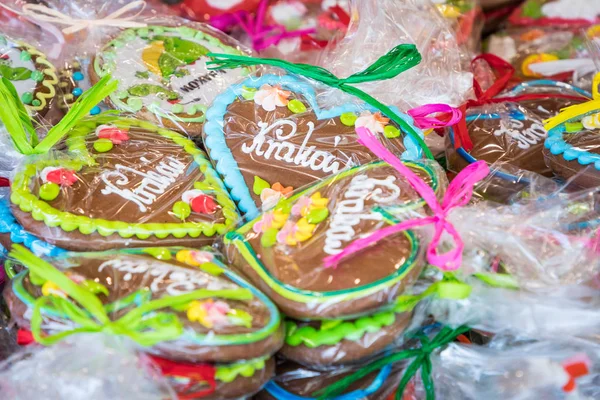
[
  {"x": 281, "y": 394},
  {"x": 225, "y": 164},
  {"x": 548, "y": 82},
  {"x": 8, "y": 224},
  {"x": 559, "y": 147}
]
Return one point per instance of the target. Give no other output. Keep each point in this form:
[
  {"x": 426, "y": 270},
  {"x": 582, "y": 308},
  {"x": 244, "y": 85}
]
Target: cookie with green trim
[
  {"x": 205, "y": 325},
  {"x": 268, "y": 135},
  {"x": 162, "y": 73},
  {"x": 33, "y": 76},
  {"x": 282, "y": 250},
  {"x": 124, "y": 183}
]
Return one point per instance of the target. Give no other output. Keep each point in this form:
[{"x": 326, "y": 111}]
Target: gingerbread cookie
[
  {"x": 282, "y": 250},
  {"x": 505, "y": 133},
  {"x": 572, "y": 149},
  {"x": 126, "y": 183},
  {"x": 33, "y": 76},
  {"x": 162, "y": 73},
  {"x": 211, "y": 315},
  {"x": 268, "y": 136},
  {"x": 296, "y": 382}
]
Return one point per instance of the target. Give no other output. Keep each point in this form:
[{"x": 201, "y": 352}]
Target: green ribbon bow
[
  {"x": 421, "y": 360},
  {"x": 140, "y": 324},
  {"x": 20, "y": 127},
  {"x": 390, "y": 65}
]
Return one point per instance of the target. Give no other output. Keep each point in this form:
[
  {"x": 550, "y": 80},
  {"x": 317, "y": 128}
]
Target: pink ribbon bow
[
  {"x": 450, "y": 116},
  {"x": 458, "y": 194},
  {"x": 261, "y": 35}
]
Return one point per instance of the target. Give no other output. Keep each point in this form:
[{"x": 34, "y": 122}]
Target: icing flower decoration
[
  {"x": 532, "y": 35},
  {"x": 271, "y": 97},
  {"x": 208, "y": 313},
  {"x": 270, "y": 220},
  {"x": 591, "y": 121},
  {"x": 281, "y": 189},
  {"x": 292, "y": 233},
  {"x": 534, "y": 59},
  {"x": 270, "y": 198},
  {"x": 306, "y": 204},
  {"x": 112, "y": 133},
  {"x": 194, "y": 258},
  {"x": 59, "y": 176},
  {"x": 374, "y": 122},
  {"x": 199, "y": 202}
]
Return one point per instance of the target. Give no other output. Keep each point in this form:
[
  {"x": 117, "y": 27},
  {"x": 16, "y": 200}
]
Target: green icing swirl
[
  {"x": 42, "y": 211},
  {"x": 333, "y": 332},
  {"x": 227, "y": 373}
]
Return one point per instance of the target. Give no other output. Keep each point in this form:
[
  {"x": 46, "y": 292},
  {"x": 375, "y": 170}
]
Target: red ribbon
[
  {"x": 196, "y": 373},
  {"x": 504, "y": 72},
  {"x": 4, "y": 182}
]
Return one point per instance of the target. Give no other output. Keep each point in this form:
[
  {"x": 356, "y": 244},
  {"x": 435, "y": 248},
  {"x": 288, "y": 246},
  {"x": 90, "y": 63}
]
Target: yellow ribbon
[
  {"x": 569, "y": 113},
  {"x": 115, "y": 19}
]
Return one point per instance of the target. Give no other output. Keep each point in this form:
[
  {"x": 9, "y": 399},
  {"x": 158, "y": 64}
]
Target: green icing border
[
  {"x": 236, "y": 239},
  {"x": 42, "y": 211},
  {"x": 228, "y": 372},
  {"x": 130, "y": 34}
]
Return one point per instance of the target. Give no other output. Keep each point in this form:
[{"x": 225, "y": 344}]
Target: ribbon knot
[
  {"x": 115, "y": 19},
  {"x": 458, "y": 194}
]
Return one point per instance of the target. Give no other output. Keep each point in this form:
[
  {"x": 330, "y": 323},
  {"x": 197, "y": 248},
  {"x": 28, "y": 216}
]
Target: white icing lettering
[
  {"x": 281, "y": 150},
  {"x": 525, "y": 137},
  {"x": 153, "y": 182},
  {"x": 351, "y": 211}
]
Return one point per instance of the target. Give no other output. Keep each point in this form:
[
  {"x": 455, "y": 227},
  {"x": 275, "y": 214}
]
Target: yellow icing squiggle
[{"x": 50, "y": 72}]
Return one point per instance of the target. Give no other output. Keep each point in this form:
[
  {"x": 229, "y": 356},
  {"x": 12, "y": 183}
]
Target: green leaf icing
[
  {"x": 146, "y": 89},
  {"x": 259, "y": 185},
  {"x": 15, "y": 74}
]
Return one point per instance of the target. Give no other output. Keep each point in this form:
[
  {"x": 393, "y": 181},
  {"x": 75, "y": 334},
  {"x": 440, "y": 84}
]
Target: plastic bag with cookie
[
  {"x": 117, "y": 182},
  {"x": 572, "y": 149},
  {"x": 158, "y": 59},
  {"x": 210, "y": 333}
]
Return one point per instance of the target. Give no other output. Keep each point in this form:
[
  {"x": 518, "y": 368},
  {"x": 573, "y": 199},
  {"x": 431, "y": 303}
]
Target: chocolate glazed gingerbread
[
  {"x": 127, "y": 274},
  {"x": 294, "y": 149},
  {"x": 516, "y": 138},
  {"x": 136, "y": 181},
  {"x": 351, "y": 203}
]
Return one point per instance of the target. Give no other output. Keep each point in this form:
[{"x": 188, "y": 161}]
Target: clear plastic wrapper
[
  {"x": 94, "y": 367},
  {"x": 569, "y": 13},
  {"x": 208, "y": 329},
  {"x": 466, "y": 17},
  {"x": 553, "y": 369},
  {"x": 122, "y": 183},
  {"x": 282, "y": 251},
  {"x": 441, "y": 77},
  {"x": 551, "y": 52},
  {"x": 270, "y": 135}
]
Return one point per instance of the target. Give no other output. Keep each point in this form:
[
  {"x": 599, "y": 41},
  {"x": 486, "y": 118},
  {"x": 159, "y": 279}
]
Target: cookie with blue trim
[
  {"x": 122, "y": 183},
  {"x": 162, "y": 73},
  {"x": 268, "y": 136},
  {"x": 572, "y": 149},
  {"x": 295, "y": 382},
  {"x": 282, "y": 251},
  {"x": 34, "y": 77},
  {"x": 208, "y": 329}
]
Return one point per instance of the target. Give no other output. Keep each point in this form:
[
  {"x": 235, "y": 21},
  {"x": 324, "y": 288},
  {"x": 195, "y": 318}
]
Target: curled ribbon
[
  {"x": 115, "y": 19},
  {"x": 261, "y": 35},
  {"x": 458, "y": 194},
  {"x": 449, "y": 116},
  {"x": 143, "y": 324}
]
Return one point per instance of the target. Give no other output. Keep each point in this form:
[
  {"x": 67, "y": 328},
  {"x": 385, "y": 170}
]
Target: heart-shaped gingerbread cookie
[
  {"x": 268, "y": 136},
  {"x": 124, "y": 183},
  {"x": 282, "y": 251}
]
